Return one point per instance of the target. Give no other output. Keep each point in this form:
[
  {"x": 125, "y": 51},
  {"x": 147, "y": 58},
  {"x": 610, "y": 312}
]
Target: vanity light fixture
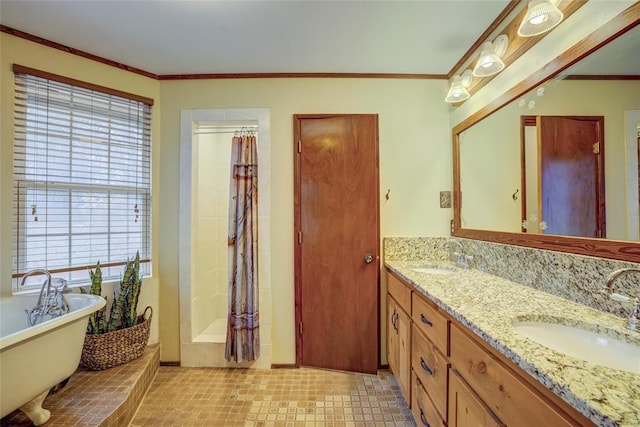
[
  {"x": 541, "y": 16},
  {"x": 458, "y": 91},
  {"x": 489, "y": 62}
]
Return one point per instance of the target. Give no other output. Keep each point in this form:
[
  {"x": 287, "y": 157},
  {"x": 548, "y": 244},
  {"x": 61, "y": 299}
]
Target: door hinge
[
  {"x": 599, "y": 233},
  {"x": 300, "y": 328},
  {"x": 596, "y": 148},
  {"x": 299, "y": 237},
  {"x": 299, "y": 146}
]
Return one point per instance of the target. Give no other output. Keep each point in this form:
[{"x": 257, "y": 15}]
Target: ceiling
[{"x": 269, "y": 36}]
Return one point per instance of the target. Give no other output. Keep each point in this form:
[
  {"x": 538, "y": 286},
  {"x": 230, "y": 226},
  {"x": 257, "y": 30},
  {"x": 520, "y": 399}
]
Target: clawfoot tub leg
[{"x": 35, "y": 411}]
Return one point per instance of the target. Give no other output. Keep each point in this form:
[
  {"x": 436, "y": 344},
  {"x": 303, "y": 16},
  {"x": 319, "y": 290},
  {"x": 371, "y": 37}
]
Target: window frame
[{"x": 20, "y": 188}]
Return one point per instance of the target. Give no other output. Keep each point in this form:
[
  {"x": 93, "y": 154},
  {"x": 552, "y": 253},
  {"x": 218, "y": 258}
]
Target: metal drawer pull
[
  {"x": 425, "y": 320},
  {"x": 423, "y": 419},
  {"x": 425, "y": 367}
]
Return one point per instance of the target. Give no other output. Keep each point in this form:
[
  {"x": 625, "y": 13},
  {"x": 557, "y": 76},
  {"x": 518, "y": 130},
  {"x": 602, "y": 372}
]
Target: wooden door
[
  {"x": 337, "y": 242},
  {"x": 571, "y": 180}
]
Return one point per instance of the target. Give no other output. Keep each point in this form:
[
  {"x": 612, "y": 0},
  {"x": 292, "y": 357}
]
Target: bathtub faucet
[{"x": 51, "y": 302}]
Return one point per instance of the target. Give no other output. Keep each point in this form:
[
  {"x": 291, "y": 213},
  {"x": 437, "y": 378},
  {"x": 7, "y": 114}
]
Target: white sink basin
[
  {"x": 434, "y": 270},
  {"x": 592, "y": 347}
]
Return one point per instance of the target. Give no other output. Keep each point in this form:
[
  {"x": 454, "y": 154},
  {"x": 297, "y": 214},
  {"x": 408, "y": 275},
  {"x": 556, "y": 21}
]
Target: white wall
[
  {"x": 490, "y": 173},
  {"x": 532, "y": 178},
  {"x": 632, "y": 126},
  {"x": 210, "y": 206},
  {"x": 415, "y": 164}
]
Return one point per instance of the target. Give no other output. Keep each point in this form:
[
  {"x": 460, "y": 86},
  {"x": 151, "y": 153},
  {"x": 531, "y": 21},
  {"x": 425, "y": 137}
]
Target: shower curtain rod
[
  {"x": 221, "y": 131},
  {"x": 228, "y": 126},
  {"x": 236, "y": 129}
]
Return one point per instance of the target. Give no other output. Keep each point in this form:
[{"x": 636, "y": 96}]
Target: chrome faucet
[
  {"x": 633, "y": 322},
  {"x": 46, "y": 283},
  {"x": 461, "y": 259},
  {"x": 52, "y": 304}
]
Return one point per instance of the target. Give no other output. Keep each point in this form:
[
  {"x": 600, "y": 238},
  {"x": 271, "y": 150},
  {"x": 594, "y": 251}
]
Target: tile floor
[{"x": 277, "y": 397}]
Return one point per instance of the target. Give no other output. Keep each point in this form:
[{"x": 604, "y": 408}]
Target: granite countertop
[{"x": 488, "y": 305}]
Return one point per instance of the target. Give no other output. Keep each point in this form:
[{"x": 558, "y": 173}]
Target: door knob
[{"x": 368, "y": 257}]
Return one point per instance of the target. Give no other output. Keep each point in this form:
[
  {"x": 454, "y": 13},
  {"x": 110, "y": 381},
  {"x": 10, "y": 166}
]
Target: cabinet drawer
[
  {"x": 511, "y": 399},
  {"x": 433, "y": 324},
  {"x": 399, "y": 291},
  {"x": 432, "y": 369},
  {"x": 424, "y": 412}
]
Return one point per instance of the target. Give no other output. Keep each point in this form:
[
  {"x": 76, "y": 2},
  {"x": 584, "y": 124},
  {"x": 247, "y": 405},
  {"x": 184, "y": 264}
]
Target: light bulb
[{"x": 541, "y": 16}]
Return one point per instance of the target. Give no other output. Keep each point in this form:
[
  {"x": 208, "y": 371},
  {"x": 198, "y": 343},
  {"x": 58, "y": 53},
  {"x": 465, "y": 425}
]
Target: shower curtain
[{"x": 243, "y": 333}]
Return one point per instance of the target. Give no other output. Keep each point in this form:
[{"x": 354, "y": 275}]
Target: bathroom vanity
[{"x": 459, "y": 359}]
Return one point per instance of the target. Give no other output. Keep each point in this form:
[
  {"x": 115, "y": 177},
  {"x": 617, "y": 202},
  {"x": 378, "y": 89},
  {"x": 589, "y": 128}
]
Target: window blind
[{"x": 82, "y": 185}]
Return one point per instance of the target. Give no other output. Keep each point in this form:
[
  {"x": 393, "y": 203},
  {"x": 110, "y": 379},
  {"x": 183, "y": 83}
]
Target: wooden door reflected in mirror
[{"x": 563, "y": 177}]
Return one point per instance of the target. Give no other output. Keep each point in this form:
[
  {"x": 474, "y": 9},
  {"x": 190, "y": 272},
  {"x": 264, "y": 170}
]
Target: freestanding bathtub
[{"x": 34, "y": 359}]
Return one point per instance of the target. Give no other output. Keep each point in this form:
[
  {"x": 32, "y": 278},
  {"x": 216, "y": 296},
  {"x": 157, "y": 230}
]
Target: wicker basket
[{"x": 104, "y": 351}]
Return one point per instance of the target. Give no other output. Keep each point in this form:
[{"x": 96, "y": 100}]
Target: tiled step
[{"x": 99, "y": 398}]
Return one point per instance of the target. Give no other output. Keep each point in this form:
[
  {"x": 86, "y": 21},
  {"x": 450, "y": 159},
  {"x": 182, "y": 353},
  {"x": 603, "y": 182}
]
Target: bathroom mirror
[{"x": 511, "y": 187}]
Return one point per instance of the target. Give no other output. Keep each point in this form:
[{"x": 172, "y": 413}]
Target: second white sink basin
[
  {"x": 583, "y": 344},
  {"x": 434, "y": 270}
]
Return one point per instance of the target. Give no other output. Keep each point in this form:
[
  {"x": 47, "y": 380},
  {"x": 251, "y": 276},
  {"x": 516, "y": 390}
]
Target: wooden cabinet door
[
  {"x": 399, "y": 345},
  {"x": 392, "y": 335},
  {"x": 404, "y": 354},
  {"x": 424, "y": 412},
  {"x": 465, "y": 407}
]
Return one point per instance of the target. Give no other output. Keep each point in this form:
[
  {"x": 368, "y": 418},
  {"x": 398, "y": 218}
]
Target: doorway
[
  {"x": 337, "y": 241},
  {"x": 563, "y": 175},
  {"x": 205, "y": 155}
]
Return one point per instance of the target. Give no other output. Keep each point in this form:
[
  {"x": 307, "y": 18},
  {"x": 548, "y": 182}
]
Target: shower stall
[{"x": 205, "y": 173}]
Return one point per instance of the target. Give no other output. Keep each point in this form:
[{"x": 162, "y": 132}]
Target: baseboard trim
[
  {"x": 284, "y": 366},
  {"x": 170, "y": 363}
]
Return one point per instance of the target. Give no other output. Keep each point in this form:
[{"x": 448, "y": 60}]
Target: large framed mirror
[{"x": 555, "y": 165}]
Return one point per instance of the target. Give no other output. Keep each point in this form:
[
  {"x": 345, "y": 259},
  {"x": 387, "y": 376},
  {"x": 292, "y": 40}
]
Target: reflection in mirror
[
  {"x": 563, "y": 158},
  {"x": 563, "y": 175}
]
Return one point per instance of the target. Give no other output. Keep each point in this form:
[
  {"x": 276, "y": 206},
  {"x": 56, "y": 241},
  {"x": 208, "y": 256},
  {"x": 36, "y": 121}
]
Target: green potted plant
[{"x": 121, "y": 336}]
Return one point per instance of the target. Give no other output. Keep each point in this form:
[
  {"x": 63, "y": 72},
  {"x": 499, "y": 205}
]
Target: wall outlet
[{"x": 445, "y": 199}]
